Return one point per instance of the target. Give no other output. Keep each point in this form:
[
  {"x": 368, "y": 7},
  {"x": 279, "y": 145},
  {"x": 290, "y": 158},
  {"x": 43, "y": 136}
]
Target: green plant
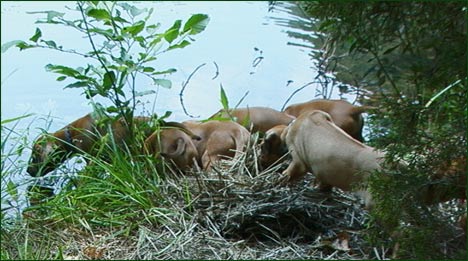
[
  {"x": 123, "y": 45},
  {"x": 119, "y": 188},
  {"x": 18, "y": 239},
  {"x": 396, "y": 56}
]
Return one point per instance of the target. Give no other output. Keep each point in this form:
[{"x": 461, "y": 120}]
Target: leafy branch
[{"x": 124, "y": 43}]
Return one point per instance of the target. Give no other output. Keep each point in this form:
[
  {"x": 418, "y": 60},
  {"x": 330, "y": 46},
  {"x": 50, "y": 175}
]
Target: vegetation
[
  {"x": 406, "y": 58},
  {"x": 124, "y": 44},
  {"x": 409, "y": 60}
]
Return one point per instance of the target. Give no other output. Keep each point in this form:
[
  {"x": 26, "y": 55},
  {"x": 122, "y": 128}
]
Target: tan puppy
[
  {"x": 334, "y": 157},
  {"x": 52, "y": 149},
  {"x": 344, "y": 114},
  {"x": 219, "y": 139},
  {"x": 256, "y": 118},
  {"x": 173, "y": 144},
  {"x": 273, "y": 147}
]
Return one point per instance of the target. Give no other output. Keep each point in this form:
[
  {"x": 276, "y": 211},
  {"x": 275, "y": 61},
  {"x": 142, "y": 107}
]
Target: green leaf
[
  {"x": 61, "y": 78},
  {"x": 148, "y": 69},
  {"x": 142, "y": 56},
  {"x": 151, "y": 29},
  {"x": 181, "y": 45},
  {"x": 50, "y": 43},
  {"x": 166, "y": 115},
  {"x": 112, "y": 109},
  {"x": 99, "y": 14},
  {"x": 196, "y": 24},
  {"x": 135, "y": 29},
  {"x": 36, "y": 36},
  {"x": 156, "y": 40},
  {"x": 16, "y": 118},
  {"x": 108, "y": 33},
  {"x": 134, "y": 11},
  {"x": 109, "y": 80},
  {"x": 12, "y": 189},
  {"x": 224, "y": 99},
  {"x": 140, "y": 40},
  {"x": 23, "y": 46},
  {"x": 323, "y": 25},
  {"x": 120, "y": 20},
  {"x": 50, "y": 14},
  {"x": 10, "y": 44},
  {"x": 163, "y": 83},
  {"x": 77, "y": 85},
  {"x": 172, "y": 33},
  {"x": 90, "y": 93},
  {"x": 143, "y": 93},
  {"x": 389, "y": 50},
  {"x": 168, "y": 71},
  {"x": 67, "y": 71}
]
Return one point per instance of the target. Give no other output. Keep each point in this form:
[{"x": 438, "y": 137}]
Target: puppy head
[
  {"x": 174, "y": 145},
  {"x": 46, "y": 155},
  {"x": 273, "y": 147}
]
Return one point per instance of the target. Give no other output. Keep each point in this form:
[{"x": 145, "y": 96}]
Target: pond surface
[{"x": 237, "y": 35}]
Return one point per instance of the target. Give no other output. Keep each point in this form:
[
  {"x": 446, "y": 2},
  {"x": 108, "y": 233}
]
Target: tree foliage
[{"x": 409, "y": 59}]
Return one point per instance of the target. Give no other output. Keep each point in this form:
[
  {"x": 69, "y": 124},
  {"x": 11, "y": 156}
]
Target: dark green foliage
[{"x": 409, "y": 59}]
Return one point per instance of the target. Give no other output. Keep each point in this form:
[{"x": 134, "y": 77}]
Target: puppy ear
[
  {"x": 272, "y": 139},
  {"x": 176, "y": 149}
]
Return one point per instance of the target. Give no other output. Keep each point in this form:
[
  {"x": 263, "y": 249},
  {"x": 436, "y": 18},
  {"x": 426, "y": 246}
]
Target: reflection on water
[
  {"x": 304, "y": 33},
  {"x": 252, "y": 49},
  {"x": 297, "y": 24}
]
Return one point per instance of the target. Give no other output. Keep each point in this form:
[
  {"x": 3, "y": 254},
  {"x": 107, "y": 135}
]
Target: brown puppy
[
  {"x": 344, "y": 114},
  {"x": 334, "y": 157},
  {"x": 273, "y": 147},
  {"x": 173, "y": 144},
  {"x": 219, "y": 139},
  {"x": 52, "y": 149},
  {"x": 256, "y": 118}
]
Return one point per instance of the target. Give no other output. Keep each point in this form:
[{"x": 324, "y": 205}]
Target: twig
[
  {"x": 217, "y": 71},
  {"x": 241, "y": 99},
  {"x": 184, "y": 85},
  {"x": 294, "y": 93}
]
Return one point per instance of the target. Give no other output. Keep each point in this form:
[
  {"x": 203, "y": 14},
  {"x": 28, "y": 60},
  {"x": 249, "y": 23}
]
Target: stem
[
  {"x": 294, "y": 93},
  {"x": 184, "y": 85},
  {"x": 386, "y": 73},
  {"x": 63, "y": 51},
  {"x": 117, "y": 100}
]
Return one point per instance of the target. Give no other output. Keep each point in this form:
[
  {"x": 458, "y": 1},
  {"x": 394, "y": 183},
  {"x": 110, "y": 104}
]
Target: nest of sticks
[{"x": 239, "y": 212}]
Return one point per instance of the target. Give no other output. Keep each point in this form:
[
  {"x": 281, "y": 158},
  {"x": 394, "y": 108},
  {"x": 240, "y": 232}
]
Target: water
[
  {"x": 237, "y": 35},
  {"x": 236, "y": 30}
]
